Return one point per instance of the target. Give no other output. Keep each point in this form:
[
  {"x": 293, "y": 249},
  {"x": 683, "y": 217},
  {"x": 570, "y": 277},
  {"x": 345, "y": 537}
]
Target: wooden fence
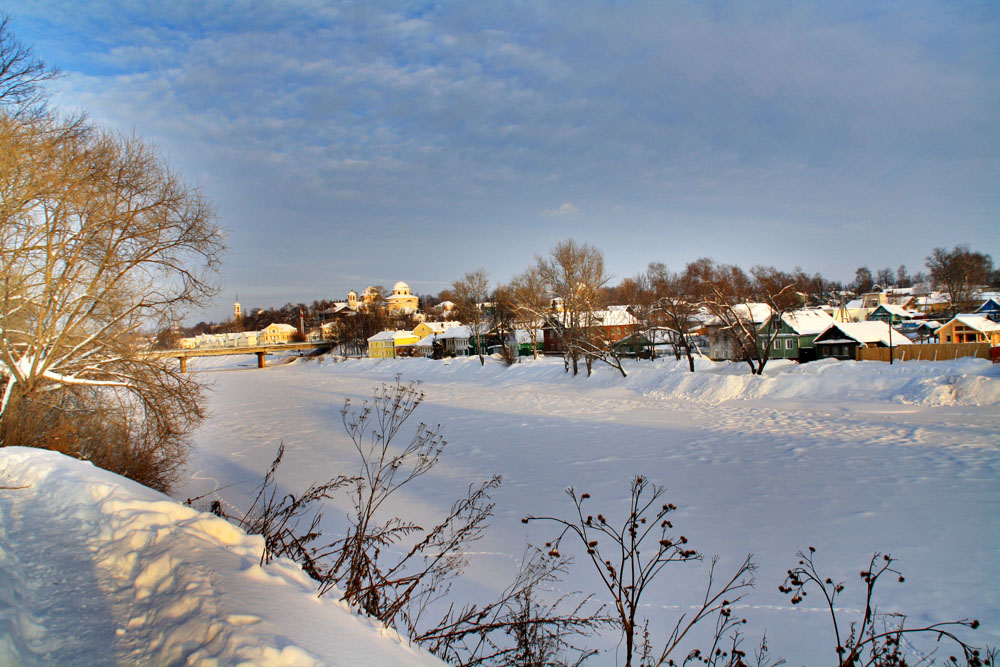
[{"x": 926, "y": 352}]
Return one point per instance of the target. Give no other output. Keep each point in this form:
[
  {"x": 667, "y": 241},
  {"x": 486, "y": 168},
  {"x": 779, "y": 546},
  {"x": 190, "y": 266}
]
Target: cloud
[
  {"x": 367, "y": 121},
  {"x": 565, "y": 208}
]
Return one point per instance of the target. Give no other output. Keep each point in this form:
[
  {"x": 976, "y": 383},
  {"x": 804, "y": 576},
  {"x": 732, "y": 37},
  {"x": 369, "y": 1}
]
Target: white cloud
[{"x": 565, "y": 208}]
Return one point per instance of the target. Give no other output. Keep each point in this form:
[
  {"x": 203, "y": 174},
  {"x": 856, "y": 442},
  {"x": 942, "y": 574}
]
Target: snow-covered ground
[
  {"x": 98, "y": 570},
  {"x": 849, "y": 458}
]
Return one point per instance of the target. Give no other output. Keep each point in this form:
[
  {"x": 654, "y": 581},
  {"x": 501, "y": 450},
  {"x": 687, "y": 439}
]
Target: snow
[
  {"x": 95, "y": 569},
  {"x": 806, "y": 322},
  {"x": 849, "y": 457},
  {"x": 869, "y": 332},
  {"x": 980, "y": 323}
]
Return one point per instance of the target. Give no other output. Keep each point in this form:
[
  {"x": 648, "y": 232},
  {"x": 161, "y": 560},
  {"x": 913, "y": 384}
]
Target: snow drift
[{"x": 95, "y": 569}]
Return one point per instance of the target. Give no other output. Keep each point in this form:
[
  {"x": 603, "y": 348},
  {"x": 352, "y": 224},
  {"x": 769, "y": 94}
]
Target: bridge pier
[
  {"x": 260, "y": 359},
  {"x": 184, "y": 365}
]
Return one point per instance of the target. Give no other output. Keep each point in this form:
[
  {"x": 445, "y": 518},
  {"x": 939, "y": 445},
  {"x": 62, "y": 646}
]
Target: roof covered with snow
[
  {"x": 758, "y": 313},
  {"x": 869, "y": 333},
  {"x": 978, "y": 322},
  {"x": 808, "y": 321}
]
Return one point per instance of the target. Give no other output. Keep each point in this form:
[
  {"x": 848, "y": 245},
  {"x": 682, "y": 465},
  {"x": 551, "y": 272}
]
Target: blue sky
[{"x": 347, "y": 144}]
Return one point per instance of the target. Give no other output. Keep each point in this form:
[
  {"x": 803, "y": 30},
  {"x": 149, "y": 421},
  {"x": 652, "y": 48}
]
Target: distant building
[
  {"x": 391, "y": 344},
  {"x": 402, "y": 300},
  {"x": 276, "y": 333}
]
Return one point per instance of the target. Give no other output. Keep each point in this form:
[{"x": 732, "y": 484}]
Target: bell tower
[{"x": 237, "y": 310}]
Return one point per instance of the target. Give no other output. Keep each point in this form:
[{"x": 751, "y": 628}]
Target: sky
[{"x": 347, "y": 144}]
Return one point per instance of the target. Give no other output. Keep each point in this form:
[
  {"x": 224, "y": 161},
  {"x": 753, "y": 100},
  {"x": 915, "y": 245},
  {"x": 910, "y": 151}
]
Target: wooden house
[
  {"x": 796, "y": 331},
  {"x": 970, "y": 329},
  {"x": 841, "y": 340}
]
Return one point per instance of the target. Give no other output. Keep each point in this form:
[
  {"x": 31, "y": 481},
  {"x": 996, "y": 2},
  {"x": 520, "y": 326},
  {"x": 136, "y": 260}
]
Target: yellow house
[
  {"x": 970, "y": 329},
  {"x": 275, "y": 333},
  {"x": 425, "y": 329},
  {"x": 385, "y": 345}
]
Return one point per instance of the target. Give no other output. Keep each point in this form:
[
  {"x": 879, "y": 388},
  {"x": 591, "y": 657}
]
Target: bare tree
[
  {"x": 729, "y": 294},
  {"x": 677, "y": 304},
  {"x": 470, "y": 293},
  {"x": 574, "y": 274},
  {"x": 779, "y": 290},
  {"x": 531, "y": 303},
  {"x": 959, "y": 271},
  {"x": 863, "y": 281},
  {"x": 637, "y": 294},
  {"x": 884, "y": 278},
  {"x": 22, "y": 75},
  {"x": 503, "y": 319},
  {"x": 98, "y": 239},
  {"x": 629, "y": 556}
]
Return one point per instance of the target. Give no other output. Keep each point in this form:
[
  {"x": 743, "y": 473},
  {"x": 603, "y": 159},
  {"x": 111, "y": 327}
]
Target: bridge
[{"x": 260, "y": 350}]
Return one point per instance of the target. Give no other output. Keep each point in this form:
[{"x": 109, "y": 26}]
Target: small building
[
  {"x": 723, "y": 343},
  {"x": 918, "y": 330},
  {"x": 886, "y": 312},
  {"x": 457, "y": 341},
  {"x": 425, "y": 329},
  {"x": 658, "y": 341},
  {"x": 391, "y": 344},
  {"x": 969, "y": 328},
  {"x": 990, "y": 308},
  {"x": 841, "y": 340},
  {"x": 796, "y": 333},
  {"x": 603, "y": 326},
  {"x": 275, "y": 334}
]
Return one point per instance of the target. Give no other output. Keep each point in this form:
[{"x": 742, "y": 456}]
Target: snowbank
[
  {"x": 97, "y": 569},
  {"x": 963, "y": 382}
]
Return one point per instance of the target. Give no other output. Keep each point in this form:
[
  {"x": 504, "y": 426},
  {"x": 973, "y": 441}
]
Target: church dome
[{"x": 401, "y": 287}]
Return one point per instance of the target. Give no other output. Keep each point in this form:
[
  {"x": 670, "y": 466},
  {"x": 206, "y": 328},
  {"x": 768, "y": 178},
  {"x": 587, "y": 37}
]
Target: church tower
[{"x": 237, "y": 310}]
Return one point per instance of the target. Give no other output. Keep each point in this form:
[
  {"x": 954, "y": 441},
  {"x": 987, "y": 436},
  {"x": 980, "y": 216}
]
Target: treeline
[{"x": 568, "y": 291}]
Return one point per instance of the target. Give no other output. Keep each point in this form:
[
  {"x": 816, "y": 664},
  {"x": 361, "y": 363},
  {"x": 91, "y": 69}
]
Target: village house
[
  {"x": 887, "y": 312},
  {"x": 842, "y": 340},
  {"x": 723, "y": 343},
  {"x": 391, "y": 344},
  {"x": 968, "y": 328},
  {"x": 602, "y": 326},
  {"x": 425, "y": 329},
  {"x": 990, "y": 308},
  {"x": 796, "y": 333}
]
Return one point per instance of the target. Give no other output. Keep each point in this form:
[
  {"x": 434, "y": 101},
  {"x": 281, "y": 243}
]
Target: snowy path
[
  {"x": 850, "y": 459},
  {"x": 50, "y": 601},
  {"x": 97, "y": 570}
]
